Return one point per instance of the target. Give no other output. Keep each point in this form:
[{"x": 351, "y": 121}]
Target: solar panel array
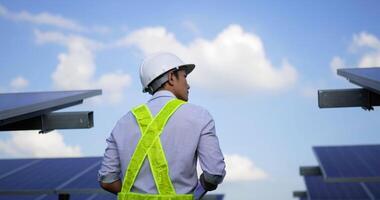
[
  {"x": 348, "y": 172},
  {"x": 44, "y": 179}
]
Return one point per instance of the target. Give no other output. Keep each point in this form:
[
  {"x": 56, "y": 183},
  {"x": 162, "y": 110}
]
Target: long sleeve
[
  {"x": 110, "y": 169},
  {"x": 210, "y": 155}
]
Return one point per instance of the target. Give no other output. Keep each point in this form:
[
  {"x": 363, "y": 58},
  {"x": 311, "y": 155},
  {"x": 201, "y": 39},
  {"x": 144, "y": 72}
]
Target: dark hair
[{"x": 175, "y": 72}]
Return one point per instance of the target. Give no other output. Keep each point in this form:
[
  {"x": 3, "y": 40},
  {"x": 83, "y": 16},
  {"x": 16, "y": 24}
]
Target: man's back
[{"x": 190, "y": 132}]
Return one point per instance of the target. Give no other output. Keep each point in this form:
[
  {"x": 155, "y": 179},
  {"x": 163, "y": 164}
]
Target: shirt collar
[{"x": 162, "y": 93}]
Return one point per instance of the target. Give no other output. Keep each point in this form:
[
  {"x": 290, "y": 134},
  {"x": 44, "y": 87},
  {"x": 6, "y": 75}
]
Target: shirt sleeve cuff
[
  {"x": 214, "y": 179},
  {"x": 108, "y": 178}
]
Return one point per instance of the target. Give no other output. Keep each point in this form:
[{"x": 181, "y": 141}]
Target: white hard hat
[{"x": 155, "y": 66}]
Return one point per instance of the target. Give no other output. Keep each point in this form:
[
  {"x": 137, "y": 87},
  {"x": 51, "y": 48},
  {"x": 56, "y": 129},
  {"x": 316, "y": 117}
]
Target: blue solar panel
[
  {"x": 21, "y": 197},
  {"x": 213, "y": 197},
  {"x": 46, "y": 175},
  {"x": 87, "y": 180},
  {"x": 318, "y": 189},
  {"x": 373, "y": 189},
  {"x": 18, "y": 104},
  {"x": 366, "y": 77},
  {"x": 102, "y": 197},
  {"x": 13, "y": 165},
  {"x": 358, "y": 163},
  {"x": 55, "y": 197}
]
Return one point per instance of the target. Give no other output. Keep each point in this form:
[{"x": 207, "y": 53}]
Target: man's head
[
  {"x": 177, "y": 84},
  {"x": 165, "y": 71}
]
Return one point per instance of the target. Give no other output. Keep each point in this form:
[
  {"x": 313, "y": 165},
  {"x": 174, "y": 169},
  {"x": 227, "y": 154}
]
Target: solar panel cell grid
[
  {"x": 349, "y": 163},
  {"x": 86, "y": 180},
  {"x": 21, "y": 197},
  {"x": 12, "y": 164},
  {"x": 46, "y": 174},
  {"x": 55, "y": 197},
  {"x": 374, "y": 189}
]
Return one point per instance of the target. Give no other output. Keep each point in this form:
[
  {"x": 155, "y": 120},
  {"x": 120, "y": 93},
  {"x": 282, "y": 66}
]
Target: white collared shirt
[{"x": 188, "y": 135}]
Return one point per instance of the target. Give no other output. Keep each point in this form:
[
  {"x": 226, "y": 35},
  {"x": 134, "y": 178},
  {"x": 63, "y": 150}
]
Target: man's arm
[
  {"x": 114, "y": 187},
  {"x": 108, "y": 175},
  {"x": 210, "y": 156}
]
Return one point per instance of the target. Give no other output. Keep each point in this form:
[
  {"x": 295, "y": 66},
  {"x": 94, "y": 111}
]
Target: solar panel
[
  {"x": 213, "y": 197},
  {"x": 55, "y": 197},
  {"x": 86, "y": 180},
  {"x": 9, "y": 166},
  {"x": 368, "y": 78},
  {"x": 46, "y": 175},
  {"x": 318, "y": 189},
  {"x": 27, "y": 197},
  {"x": 358, "y": 163},
  {"x": 18, "y": 106},
  {"x": 373, "y": 189}
]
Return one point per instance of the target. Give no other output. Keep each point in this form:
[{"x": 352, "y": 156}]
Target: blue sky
[{"x": 259, "y": 66}]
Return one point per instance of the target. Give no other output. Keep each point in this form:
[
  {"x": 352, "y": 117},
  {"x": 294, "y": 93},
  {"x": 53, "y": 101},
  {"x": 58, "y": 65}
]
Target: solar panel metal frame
[
  {"x": 52, "y": 121},
  {"x": 365, "y": 82},
  {"x": 343, "y": 179},
  {"x": 300, "y": 194},
  {"x": 356, "y": 97},
  {"x": 359, "y": 185},
  {"x": 29, "y": 111}
]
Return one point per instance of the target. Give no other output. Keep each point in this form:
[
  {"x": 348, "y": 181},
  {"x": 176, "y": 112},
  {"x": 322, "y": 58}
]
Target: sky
[{"x": 259, "y": 65}]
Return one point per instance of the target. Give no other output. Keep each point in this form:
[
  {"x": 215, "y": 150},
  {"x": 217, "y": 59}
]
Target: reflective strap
[
  {"x": 148, "y": 141},
  {"x": 137, "y": 196},
  {"x": 156, "y": 155}
]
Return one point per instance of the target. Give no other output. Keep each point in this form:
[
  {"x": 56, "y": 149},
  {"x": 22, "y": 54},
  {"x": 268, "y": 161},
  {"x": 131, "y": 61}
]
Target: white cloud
[
  {"x": 372, "y": 57},
  {"x": 19, "y": 83},
  {"x": 233, "y": 61},
  {"x": 370, "y": 60},
  {"x": 3, "y": 10},
  {"x": 101, "y": 29},
  {"x": 32, "y": 144},
  {"x": 309, "y": 92},
  {"x": 240, "y": 168},
  {"x": 365, "y": 39},
  {"x": 76, "y": 68},
  {"x": 190, "y": 26},
  {"x": 367, "y": 46},
  {"x": 49, "y": 19},
  {"x": 42, "y": 19},
  {"x": 336, "y": 63},
  {"x": 113, "y": 85}
]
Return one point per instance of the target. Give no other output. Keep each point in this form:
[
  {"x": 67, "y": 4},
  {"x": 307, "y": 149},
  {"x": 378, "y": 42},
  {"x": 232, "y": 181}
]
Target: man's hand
[
  {"x": 208, "y": 186},
  {"x": 114, "y": 187}
]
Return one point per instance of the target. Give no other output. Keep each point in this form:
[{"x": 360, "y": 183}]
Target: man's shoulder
[
  {"x": 125, "y": 118},
  {"x": 195, "y": 109}
]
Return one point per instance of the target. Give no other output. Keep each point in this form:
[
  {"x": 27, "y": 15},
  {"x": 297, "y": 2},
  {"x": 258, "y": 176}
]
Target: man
[{"x": 152, "y": 151}]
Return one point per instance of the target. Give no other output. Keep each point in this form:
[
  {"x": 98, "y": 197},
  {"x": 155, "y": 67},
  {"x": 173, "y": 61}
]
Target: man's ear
[{"x": 171, "y": 78}]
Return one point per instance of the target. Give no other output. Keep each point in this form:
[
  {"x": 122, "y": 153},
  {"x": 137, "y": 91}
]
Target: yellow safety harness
[{"x": 150, "y": 145}]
